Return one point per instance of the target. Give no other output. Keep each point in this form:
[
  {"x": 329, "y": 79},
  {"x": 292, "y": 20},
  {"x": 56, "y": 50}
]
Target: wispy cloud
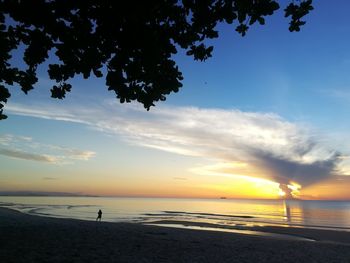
[
  {"x": 50, "y": 178},
  {"x": 180, "y": 178},
  {"x": 25, "y": 148},
  {"x": 254, "y": 144},
  {"x": 28, "y": 156},
  {"x": 341, "y": 94}
]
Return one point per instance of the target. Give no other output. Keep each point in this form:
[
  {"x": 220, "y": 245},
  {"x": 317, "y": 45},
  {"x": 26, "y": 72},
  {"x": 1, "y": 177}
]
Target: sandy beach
[{"x": 27, "y": 238}]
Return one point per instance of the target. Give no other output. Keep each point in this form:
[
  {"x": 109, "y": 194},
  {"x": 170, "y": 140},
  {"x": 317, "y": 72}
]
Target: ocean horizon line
[{"x": 69, "y": 194}]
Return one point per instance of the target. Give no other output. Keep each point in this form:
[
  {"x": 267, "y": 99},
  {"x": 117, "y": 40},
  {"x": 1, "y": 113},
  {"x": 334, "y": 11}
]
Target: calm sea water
[{"x": 221, "y": 212}]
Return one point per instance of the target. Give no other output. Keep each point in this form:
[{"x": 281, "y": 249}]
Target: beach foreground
[{"x": 27, "y": 238}]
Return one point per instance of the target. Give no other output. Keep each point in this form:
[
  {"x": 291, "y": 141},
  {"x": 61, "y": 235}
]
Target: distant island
[{"x": 38, "y": 193}]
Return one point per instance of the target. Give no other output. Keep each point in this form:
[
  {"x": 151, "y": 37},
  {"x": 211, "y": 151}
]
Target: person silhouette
[{"x": 99, "y": 215}]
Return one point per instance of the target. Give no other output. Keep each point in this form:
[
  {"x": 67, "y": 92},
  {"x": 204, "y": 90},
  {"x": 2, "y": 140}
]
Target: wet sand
[{"x": 27, "y": 238}]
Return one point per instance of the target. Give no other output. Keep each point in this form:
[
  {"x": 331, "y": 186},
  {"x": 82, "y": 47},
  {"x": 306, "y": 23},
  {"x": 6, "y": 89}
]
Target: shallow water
[
  {"x": 238, "y": 231},
  {"x": 221, "y": 212}
]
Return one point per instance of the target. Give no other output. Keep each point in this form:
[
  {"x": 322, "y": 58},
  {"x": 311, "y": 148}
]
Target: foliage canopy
[{"x": 130, "y": 42}]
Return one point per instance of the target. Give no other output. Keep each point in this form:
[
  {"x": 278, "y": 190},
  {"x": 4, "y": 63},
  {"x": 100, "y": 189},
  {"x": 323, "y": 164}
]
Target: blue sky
[{"x": 280, "y": 100}]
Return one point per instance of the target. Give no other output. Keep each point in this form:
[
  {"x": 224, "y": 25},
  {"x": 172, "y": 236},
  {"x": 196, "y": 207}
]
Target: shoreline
[
  {"x": 300, "y": 232},
  {"x": 239, "y": 223},
  {"x": 38, "y": 238},
  {"x": 282, "y": 232}
]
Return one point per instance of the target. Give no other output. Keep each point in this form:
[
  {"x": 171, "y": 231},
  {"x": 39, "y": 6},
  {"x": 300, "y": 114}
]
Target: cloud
[
  {"x": 253, "y": 144},
  {"x": 25, "y": 148},
  {"x": 28, "y": 156},
  {"x": 284, "y": 170},
  {"x": 50, "y": 178},
  {"x": 180, "y": 178},
  {"x": 74, "y": 154},
  {"x": 343, "y": 94},
  {"x": 5, "y": 139}
]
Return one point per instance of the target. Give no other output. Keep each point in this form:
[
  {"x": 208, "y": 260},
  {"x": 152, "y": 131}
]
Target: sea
[{"x": 221, "y": 213}]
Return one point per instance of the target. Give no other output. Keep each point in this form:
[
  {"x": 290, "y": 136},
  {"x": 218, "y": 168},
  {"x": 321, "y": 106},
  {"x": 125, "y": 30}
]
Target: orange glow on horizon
[{"x": 188, "y": 185}]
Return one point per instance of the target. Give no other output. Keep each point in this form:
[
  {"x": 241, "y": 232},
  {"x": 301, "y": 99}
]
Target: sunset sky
[{"x": 267, "y": 114}]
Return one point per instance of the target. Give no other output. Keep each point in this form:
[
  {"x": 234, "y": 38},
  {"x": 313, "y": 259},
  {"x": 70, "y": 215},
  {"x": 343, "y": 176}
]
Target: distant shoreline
[
  {"x": 46, "y": 194},
  {"x": 37, "y": 238}
]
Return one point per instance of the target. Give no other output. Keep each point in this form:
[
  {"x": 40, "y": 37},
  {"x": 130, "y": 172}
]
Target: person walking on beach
[{"x": 99, "y": 215}]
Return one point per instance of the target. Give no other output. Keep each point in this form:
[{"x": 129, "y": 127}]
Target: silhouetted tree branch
[{"x": 130, "y": 42}]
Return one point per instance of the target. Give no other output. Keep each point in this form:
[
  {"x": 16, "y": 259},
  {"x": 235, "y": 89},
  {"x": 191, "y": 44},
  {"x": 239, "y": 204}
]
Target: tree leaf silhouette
[{"x": 131, "y": 43}]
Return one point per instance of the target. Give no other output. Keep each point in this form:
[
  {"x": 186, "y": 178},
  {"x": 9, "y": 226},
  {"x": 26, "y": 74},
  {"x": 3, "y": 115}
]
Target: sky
[{"x": 265, "y": 117}]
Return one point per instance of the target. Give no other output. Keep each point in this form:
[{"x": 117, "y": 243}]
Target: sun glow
[
  {"x": 295, "y": 189},
  {"x": 281, "y": 193},
  {"x": 290, "y": 190}
]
